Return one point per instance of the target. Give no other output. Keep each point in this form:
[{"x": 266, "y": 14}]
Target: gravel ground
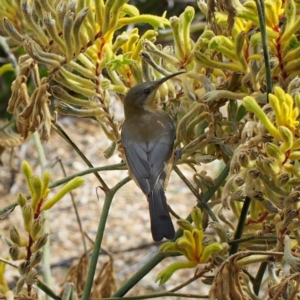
[{"x": 128, "y": 225}]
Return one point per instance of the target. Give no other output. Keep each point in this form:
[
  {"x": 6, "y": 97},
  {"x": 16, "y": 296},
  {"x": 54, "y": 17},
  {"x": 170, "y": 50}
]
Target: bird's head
[{"x": 142, "y": 96}]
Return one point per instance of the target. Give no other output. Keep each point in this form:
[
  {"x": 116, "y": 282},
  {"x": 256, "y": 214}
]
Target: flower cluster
[
  {"x": 191, "y": 245},
  {"x": 27, "y": 246}
]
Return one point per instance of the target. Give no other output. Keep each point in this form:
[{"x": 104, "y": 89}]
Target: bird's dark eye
[{"x": 147, "y": 91}]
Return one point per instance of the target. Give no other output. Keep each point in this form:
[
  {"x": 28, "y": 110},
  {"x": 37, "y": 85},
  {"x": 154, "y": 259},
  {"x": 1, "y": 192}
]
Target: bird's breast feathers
[{"x": 148, "y": 128}]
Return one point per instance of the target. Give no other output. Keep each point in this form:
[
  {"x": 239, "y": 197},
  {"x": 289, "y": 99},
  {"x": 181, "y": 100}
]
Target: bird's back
[{"x": 148, "y": 145}]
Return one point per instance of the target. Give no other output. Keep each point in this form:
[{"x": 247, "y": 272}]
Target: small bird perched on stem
[{"x": 148, "y": 135}]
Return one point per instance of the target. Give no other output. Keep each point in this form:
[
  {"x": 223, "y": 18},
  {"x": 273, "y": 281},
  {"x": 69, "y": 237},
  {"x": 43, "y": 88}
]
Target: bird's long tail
[{"x": 161, "y": 223}]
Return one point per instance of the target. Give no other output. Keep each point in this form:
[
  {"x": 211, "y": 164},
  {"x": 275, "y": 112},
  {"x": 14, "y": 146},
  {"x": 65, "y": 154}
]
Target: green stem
[
  {"x": 241, "y": 224},
  {"x": 41, "y": 285},
  {"x": 109, "y": 195},
  {"x": 143, "y": 271},
  {"x": 259, "y": 277},
  {"x": 232, "y": 111},
  {"x": 262, "y": 24}
]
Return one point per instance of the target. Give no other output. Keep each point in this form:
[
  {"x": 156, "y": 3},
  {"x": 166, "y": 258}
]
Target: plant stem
[
  {"x": 262, "y": 24},
  {"x": 259, "y": 277},
  {"x": 109, "y": 195},
  {"x": 240, "y": 226},
  {"x": 41, "y": 285}
]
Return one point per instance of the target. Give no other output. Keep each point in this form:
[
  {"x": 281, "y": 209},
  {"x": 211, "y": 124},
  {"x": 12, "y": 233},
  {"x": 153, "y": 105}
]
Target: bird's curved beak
[
  {"x": 162, "y": 80},
  {"x": 150, "y": 101}
]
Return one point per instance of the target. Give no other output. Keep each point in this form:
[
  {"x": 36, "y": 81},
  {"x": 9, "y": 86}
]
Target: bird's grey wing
[
  {"x": 139, "y": 166},
  {"x": 146, "y": 162},
  {"x": 158, "y": 154}
]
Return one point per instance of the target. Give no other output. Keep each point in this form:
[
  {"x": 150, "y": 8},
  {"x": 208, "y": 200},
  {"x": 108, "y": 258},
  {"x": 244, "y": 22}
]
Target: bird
[{"x": 148, "y": 135}]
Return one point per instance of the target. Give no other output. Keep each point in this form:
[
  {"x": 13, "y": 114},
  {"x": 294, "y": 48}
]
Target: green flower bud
[
  {"x": 169, "y": 247},
  {"x": 120, "y": 41},
  {"x": 27, "y": 171},
  {"x": 166, "y": 274},
  {"x": 36, "y": 184},
  {"x": 27, "y": 213},
  {"x": 41, "y": 242},
  {"x": 36, "y": 258},
  {"x": 287, "y": 137},
  {"x": 178, "y": 38},
  {"x": 239, "y": 50},
  {"x": 209, "y": 251},
  {"x": 22, "y": 200},
  {"x": 36, "y": 228},
  {"x": 16, "y": 238},
  {"x": 197, "y": 217},
  {"x": 16, "y": 253},
  {"x": 268, "y": 166},
  {"x": 185, "y": 225},
  {"x": 251, "y": 105},
  {"x": 73, "y": 184},
  {"x": 186, "y": 19},
  {"x": 274, "y": 151}
]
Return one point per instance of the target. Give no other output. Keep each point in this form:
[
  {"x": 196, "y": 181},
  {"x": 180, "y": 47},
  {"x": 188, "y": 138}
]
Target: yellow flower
[{"x": 191, "y": 246}]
